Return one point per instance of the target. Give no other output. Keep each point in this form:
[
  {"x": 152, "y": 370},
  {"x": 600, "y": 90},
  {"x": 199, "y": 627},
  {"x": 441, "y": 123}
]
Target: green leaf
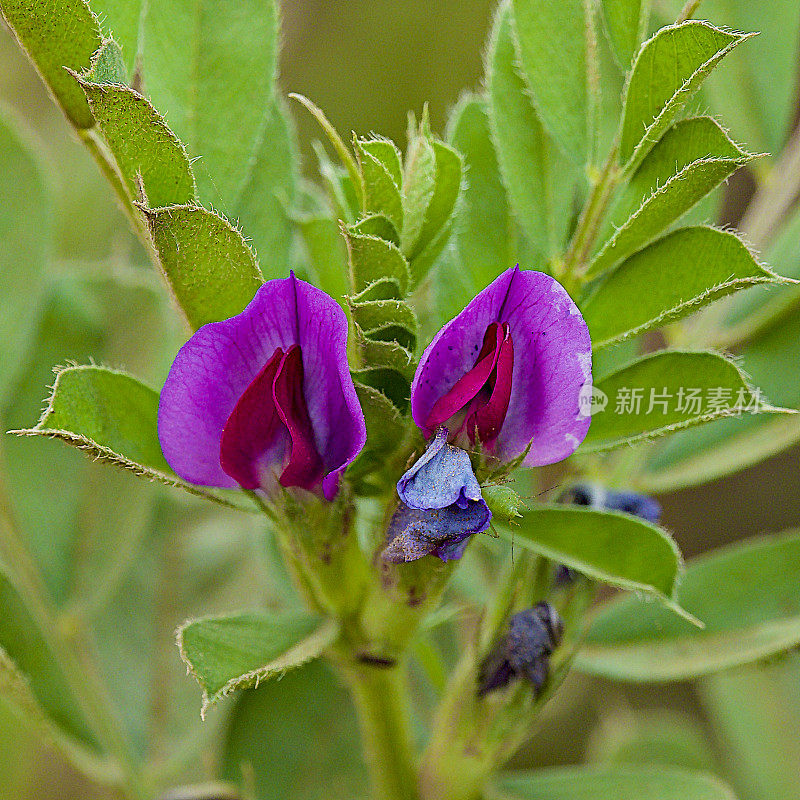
[
  {"x": 626, "y": 23},
  {"x": 616, "y": 548},
  {"x": 25, "y": 244},
  {"x": 32, "y": 679},
  {"x": 112, "y": 417},
  {"x": 686, "y": 142},
  {"x": 665, "y": 205},
  {"x": 667, "y": 391},
  {"x": 541, "y": 182},
  {"x": 240, "y": 651},
  {"x": 730, "y": 445},
  {"x": 270, "y": 190},
  {"x": 58, "y": 34},
  {"x": 209, "y": 267},
  {"x": 143, "y": 146},
  {"x": 419, "y": 186},
  {"x": 210, "y": 70},
  {"x": 387, "y": 153},
  {"x": 755, "y": 716},
  {"x": 327, "y": 254},
  {"x": 482, "y": 231},
  {"x": 372, "y": 259},
  {"x": 668, "y": 70},
  {"x": 375, "y": 314},
  {"x": 449, "y": 168},
  {"x": 377, "y": 225},
  {"x": 747, "y": 595},
  {"x": 266, "y": 746},
  {"x": 652, "y": 737},
  {"x": 108, "y": 65},
  {"x": 756, "y": 92},
  {"x": 671, "y": 278},
  {"x": 608, "y": 783},
  {"x": 381, "y": 189},
  {"x": 122, "y": 19},
  {"x": 557, "y": 53}
]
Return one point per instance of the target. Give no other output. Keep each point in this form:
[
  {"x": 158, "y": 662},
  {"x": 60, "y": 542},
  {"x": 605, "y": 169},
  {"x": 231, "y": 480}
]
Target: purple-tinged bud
[{"x": 524, "y": 651}]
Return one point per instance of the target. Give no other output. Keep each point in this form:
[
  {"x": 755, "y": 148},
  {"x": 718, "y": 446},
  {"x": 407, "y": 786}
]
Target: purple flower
[
  {"x": 265, "y": 398},
  {"x": 440, "y": 506},
  {"x": 509, "y": 371}
]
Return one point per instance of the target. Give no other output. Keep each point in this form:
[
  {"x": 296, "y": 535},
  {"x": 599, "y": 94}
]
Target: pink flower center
[
  {"x": 270, "y": 430},
  {"x": 478, "y": 402}
]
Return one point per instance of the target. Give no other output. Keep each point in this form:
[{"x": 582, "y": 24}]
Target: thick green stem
[{"x": 383, "y": 713}]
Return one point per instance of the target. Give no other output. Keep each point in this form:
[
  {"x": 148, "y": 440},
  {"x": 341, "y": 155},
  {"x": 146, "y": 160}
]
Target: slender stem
[
  {"x": 688, "y": 10},
  {"x": 382, "y": 705},
  {"x": 592, "y": 215},
  {"x": 775, "y": 197}
]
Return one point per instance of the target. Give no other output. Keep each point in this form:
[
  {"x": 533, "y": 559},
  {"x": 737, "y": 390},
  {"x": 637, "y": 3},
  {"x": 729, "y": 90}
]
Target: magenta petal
[
  {"x": 551, "y": 366},
  {"x": 215, "y": 367},
  {"x": 253, "y": 435}
]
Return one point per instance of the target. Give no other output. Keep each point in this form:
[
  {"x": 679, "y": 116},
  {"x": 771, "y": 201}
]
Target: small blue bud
[
  {"x": 524, "y": 652},
  {"x": 598, "y": 497}
]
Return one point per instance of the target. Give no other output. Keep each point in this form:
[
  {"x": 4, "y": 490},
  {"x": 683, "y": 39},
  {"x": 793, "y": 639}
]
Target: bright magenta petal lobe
[
  {"x": 510, "y": 370},
  {"x": 265, "y": 397}
]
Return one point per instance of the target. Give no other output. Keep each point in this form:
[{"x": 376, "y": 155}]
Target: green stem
[
  {"x": 383, "y": 713},
  {"x": 588, "y": 227},
  {"x": 688, "y": 10}
]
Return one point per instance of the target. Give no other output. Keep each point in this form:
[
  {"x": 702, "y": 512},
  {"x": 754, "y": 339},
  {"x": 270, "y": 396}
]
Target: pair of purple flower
[{"x": 265, "y": 400}]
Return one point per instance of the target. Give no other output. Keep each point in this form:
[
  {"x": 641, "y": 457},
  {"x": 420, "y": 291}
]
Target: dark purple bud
[
  {"x": 510, "y": 372},
  {"x": 524, "y": 651},
  {"x": 600, "y": 498},
  {"x": 265, "y": 399}
]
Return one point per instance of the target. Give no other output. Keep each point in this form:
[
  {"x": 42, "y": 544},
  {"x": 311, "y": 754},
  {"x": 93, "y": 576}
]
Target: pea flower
[
  {"x": 265, "y": 399},
  {"x": 506, "y": 375},
  {"x": 440, "y": 506},
  {"x": 524, "y": 652},
  {"x": 509, "y": 371}
]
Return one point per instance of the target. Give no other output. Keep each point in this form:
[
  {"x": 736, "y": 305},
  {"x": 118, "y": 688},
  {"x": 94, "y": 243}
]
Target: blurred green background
[{"x": 366, "y": 63}]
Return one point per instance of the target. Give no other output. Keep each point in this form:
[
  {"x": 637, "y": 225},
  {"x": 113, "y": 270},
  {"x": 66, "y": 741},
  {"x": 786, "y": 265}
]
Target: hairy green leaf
[
  {"x": 626, "y": 23},
  {"x": 671, "y": 278},
  {"x": 24, "y": 245},
  {"x": 124, "y": 20},
  {"x": 616, "y": 548},
  {"x": 108, "y": 66},
  {"x": 143, "y": 146},
  {"x": 381, "y": 189},
  {"x": 372, "y": 259},
  {"x": 209, "y": 267},
  {"x": 666, "y": 391},
  {"x": 419, "y": 187},
  {"x": 240, "y": 651},
  {"x": 112, "y": 417},
  {"x": 557, "y": 53},
  {"x": 58, "y": 34},
  {"x": 747, "y": 595},
  {"x": 608, "y": 783},
  {"x": 482, "y": 231},
  {"x": 540, "y": 180},
  {"x": 210, "y": 69},
  {"x": 270, "y": 190},
  {"x": 668, "y": 70}
]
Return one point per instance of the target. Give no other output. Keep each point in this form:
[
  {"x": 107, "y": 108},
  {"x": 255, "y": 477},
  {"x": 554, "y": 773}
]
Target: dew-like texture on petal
[
  {"x": 215, "y": 367},
  {"x": 440, "y": 477},
  {"x": 551, "y": 370},
  {"x": 442, "y": 532}
]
